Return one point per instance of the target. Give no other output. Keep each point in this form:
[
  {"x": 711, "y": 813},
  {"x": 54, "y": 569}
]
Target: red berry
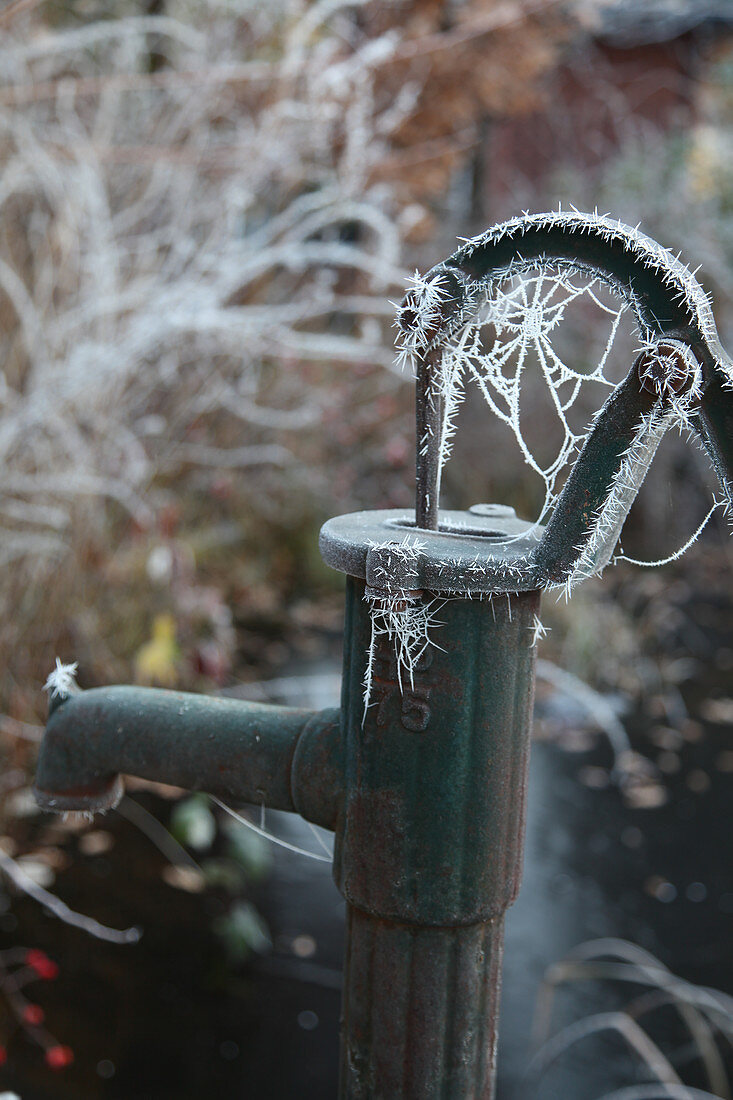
[
  {"x": 44, "y": 967},
  {"x": 3, "y": 1056},
  {"x": 33, "y": 1015},
  {"x": 59, "y": 1057}
]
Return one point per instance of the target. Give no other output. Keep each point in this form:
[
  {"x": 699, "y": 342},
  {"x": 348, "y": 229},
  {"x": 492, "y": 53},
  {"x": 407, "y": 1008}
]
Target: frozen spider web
[
  {"x": 513, "y": 340},
  {"x": 513, "y": 333}
]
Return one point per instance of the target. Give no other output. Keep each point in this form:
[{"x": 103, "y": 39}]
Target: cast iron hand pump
[{"x": 425, "y": 788}]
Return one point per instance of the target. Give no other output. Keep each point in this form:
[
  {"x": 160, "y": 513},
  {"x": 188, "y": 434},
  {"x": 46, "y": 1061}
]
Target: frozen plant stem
[{"x": 59, "y": 908}]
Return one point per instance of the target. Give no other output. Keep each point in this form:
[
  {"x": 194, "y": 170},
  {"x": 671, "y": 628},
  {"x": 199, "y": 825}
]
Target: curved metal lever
[{"x": 683, "y": 366}]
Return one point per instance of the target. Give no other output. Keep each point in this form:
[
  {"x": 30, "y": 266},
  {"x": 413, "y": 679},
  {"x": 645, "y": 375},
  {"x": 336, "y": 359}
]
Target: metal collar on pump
[{"x": 486, "y": 549}]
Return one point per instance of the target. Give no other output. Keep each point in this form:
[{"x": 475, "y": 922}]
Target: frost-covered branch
[{"x": 60, "y": 909}]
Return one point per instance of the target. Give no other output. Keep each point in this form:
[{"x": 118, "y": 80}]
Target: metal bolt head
[
  {"x": 667, "y": 369},
  {"x": 499, "y": 511},
  {"x": 419, "y": 323},
  {"x": 407, "y": 313}
]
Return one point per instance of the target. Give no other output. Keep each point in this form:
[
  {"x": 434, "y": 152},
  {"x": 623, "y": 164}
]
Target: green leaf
[
  {"x": 243, "y": 932},
  {"x": 193, "y": 823}
]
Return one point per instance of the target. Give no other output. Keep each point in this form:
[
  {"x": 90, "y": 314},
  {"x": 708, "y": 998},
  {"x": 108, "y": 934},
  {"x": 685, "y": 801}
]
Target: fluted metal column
[{"x": 420, "y": 1019}]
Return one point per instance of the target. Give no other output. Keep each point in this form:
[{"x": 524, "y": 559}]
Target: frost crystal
[
  {"x": 524, "y": 316},
  {"x": 419, "y": 316},
  {"x": 398, "y": 609},
  {"x": 539, "y": 631},
  {"x": 405, "y": 619},
  {"x": 61, "y": 681}
]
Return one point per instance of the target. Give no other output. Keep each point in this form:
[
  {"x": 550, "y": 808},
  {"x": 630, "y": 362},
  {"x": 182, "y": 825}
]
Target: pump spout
[{"x": 283, "y": 757}]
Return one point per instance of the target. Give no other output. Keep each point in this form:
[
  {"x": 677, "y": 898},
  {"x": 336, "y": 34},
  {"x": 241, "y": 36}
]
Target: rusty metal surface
[
  {"x": 317, "y": 774},
  {"x": 236, "y": 750},
  {"x": 436, "y": 772},
  {"x": 429, "y": 849},
  {"x": 403, "y": 983}
]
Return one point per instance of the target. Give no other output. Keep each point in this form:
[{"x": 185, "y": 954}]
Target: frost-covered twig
[
  {"x": 182, "y": 258},
  {"x": 59, "y": 908}
]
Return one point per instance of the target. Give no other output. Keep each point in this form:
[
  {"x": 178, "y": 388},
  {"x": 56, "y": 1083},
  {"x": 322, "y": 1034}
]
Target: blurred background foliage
[{"x": 204, "y": 213}]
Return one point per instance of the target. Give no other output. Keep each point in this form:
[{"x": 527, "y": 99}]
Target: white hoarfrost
[
  {"x": 507, "y": 322},
  {"x": 419, "y": 315},
  {"x": 405, "y": 619},
  {"x": 513, "y": 327},
  {"x": 182, "y": 248},
  {"x": 539, "y": 631},
  {"x": 662, "y": 365},
  {"x": 61, "y": 682},
  {"x": 398, "y": 610},
  {"x": 487, "y": 329},
  {"x": 672, "y": 273}
]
